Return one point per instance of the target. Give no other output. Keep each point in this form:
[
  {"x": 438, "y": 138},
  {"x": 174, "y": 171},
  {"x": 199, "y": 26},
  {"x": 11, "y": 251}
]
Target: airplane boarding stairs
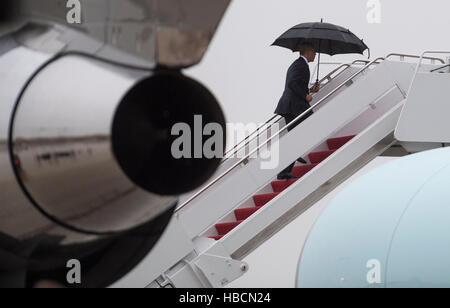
[
  {"x": 353, "y": 122},
  {"x": 279, "y": 186}
]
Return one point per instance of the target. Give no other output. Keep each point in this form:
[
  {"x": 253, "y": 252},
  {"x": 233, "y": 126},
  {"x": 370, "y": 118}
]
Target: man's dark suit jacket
[{"x": 293, "y": 102}]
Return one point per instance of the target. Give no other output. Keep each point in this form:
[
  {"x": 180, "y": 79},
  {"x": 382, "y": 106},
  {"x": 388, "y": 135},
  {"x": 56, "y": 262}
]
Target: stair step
[
  {"x": 225, "y": 227},
  {"x": 301, "y": 170},
  {"x": 243, "y": 214},
  {"x": 318, "y": 157},
  {"x": 261, "y": 200},
  {"x": 337, "y": 143},
  {"x": 279, "y": 186},
  {"x": 217, "y": 237}
]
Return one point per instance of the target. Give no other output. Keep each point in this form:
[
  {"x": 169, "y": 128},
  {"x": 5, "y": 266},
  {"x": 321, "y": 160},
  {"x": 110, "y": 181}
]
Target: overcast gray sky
[{"x": 248, "y": 76}]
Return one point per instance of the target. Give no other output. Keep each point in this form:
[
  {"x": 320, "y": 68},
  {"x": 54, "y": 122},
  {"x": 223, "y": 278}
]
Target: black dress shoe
[
  {"x": 287, "y": 177},
  {"x": 301, "y": 161}
]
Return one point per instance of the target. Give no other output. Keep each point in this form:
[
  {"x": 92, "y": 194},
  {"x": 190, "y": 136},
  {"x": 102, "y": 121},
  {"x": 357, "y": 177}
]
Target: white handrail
[
  {"x": 402, "y": 56},
  {"x": 422, "y": 57},
  {"x": 255, "y": 131}
]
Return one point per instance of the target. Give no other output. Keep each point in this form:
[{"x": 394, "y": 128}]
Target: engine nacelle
[{"x": 86, "y": 161}]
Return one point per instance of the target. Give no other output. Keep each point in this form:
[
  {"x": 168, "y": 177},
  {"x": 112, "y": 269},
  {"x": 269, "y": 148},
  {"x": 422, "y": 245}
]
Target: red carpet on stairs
[
  {"x": 225, "y": 227},
  {"x": 261, "y": 200},
  {"x": 317, "y": 157},
  {"x": 302, "y": 169},
  {"x": 243, "y": 214},
  {"x": 279, "y": 186},
  {"x": 336, "y": 143}
]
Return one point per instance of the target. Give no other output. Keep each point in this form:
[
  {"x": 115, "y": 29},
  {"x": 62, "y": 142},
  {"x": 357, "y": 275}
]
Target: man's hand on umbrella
[
  {"x": 315, "y": 88},
  {"x": 309, "y": 98}
]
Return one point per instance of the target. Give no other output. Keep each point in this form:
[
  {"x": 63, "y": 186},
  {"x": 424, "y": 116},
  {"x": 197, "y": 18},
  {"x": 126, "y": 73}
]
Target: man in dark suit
[{"x": 297, "y": 96}]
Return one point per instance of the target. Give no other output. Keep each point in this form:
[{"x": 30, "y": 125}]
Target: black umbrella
[{"x": 327, "y": 38}]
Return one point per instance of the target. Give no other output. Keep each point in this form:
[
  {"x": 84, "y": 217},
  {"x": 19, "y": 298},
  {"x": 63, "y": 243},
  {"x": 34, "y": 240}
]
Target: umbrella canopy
[{"x": 327, "y": 38}]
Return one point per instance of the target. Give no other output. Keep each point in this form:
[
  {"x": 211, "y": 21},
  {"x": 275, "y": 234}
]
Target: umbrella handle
[
  {"x": 318, "y": 64},
  {"x": 318, "y": 69}
]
